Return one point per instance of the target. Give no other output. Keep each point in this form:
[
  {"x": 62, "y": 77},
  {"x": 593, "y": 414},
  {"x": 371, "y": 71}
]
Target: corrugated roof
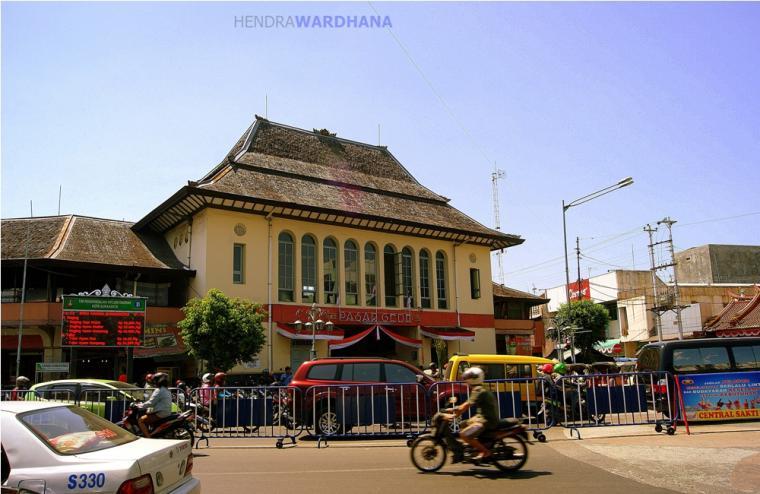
[
  {"x": 741, "y": 313},
  {"x": 86, "y": 240}
]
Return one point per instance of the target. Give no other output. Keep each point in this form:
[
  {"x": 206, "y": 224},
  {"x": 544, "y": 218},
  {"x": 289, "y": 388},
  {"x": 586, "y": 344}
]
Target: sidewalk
[{"x": 715, "y": 458}]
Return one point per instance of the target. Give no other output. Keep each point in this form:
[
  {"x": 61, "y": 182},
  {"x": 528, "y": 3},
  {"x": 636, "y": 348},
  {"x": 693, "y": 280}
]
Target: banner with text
[
  {"x": 103, "y": 321},
  {"x": 725, "y": 396}
]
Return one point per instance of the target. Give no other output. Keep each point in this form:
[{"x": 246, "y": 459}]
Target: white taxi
[{"x": 53, "y": 448}]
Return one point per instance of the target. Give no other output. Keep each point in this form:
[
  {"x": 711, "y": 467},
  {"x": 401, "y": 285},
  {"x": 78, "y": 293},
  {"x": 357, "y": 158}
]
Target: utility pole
[
  {"x": 669, "y": 224},
  {"x": 578, "y": 257},
  {"x": 655, "y": 304},
  {"x": 495, "y": 176}
]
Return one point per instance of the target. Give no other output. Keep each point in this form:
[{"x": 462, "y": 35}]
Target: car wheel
[{"x": 328, "y": 423}]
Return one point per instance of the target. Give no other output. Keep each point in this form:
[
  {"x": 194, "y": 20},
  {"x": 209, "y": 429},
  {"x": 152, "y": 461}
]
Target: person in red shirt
[
  {"x": 123, "y": 375},
  {"x": 22, "y": 386}
]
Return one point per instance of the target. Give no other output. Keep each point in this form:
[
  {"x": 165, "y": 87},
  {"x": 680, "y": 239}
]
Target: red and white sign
[{"x": 580, "y": 291}]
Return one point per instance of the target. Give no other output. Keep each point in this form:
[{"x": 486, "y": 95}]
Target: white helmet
[
  {"x": 473, "y": 375},
  {"x": 207, "y": 377}
]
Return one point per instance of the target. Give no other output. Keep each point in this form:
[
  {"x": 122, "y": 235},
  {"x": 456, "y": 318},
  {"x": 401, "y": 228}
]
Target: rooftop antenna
[
  {"x": 378, "y": 134},
  {"x": 495, "y": 176},
  {"x": 59, "y": 199},
  {"x": 266, "y": 106}
]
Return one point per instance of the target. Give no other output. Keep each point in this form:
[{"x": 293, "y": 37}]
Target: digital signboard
[{"x": 103, "y": 321}]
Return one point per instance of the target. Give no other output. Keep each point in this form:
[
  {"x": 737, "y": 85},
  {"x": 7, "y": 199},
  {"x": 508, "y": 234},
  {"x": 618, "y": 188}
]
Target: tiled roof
[
  {"x": 742, "y": 314},
  {"x": 277, "y": 165},
  {"x": 85, "y": 240}
]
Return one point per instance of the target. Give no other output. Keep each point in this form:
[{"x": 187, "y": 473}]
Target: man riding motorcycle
[
  {"x": 159, "y": 405},
  {"x": 487, "y": 417}
]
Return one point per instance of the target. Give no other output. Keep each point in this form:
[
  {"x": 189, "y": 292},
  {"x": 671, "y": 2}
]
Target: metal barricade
[
  {"x": 612, "y": 399},
  {"x": 246, "y": 412},
  {"x": 112, "y": 404},
  {"x": 364, "y": 410},
  {"x": 63, "y": 396},
  {"x": 520, "y": 398}
]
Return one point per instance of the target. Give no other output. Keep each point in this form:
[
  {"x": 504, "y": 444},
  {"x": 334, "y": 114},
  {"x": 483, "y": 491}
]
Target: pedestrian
[
  {"x": 123, "y": 375},
  {"x": 286, "y": 377},
  {"x": 432, "y": 371}
]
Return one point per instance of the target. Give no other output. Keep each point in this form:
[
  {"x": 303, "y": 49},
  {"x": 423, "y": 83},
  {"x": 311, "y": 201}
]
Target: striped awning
[
  {"x": 376, "y": 330},
  {"x": 448, "y": 333},
  {"x": 324, "y": 334}
]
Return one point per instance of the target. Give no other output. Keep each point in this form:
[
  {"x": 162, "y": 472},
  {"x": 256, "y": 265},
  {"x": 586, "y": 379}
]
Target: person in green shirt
[{"x": 487, "y": 417}]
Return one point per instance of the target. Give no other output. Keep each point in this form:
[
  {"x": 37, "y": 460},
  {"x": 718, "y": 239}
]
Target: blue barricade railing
[
  {"x": 364, "y": 410},
  {"x": 612, "y": 399}
]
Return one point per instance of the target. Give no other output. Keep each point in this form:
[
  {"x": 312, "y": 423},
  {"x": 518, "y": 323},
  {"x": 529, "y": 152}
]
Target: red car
[{"x": 388, "y": 392}]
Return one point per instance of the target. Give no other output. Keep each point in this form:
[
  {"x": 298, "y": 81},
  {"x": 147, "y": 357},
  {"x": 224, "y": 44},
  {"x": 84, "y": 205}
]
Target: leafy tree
[
  {"x": 222, "y": 330},
  {"x": 584, "y": 315}
]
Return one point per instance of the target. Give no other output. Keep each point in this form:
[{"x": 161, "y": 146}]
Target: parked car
[
  {"x": 102, "y": 397},
  {"x": 54, "y": 447},
  {"x": 400, "y": 383}
]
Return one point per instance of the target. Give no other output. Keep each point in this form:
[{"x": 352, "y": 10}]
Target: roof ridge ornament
[{"x": 105, "y": 292}]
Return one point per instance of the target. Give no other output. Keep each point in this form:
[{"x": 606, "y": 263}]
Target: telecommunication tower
[{"x": 495, "y": 176}]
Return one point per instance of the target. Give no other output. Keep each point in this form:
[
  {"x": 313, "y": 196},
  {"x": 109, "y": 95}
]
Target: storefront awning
[
  {"x": 28, "y": 342},
  {"x": 448, "y": 334},
  {"x": 376, "y": 330},
  {"x": 324, "y": 334},
  {"x": 733, "y": 333}
]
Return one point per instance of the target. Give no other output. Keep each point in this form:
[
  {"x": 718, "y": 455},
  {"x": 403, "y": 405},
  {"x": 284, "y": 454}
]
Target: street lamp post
[
  {"x": 315, "y": 324},
  {"x": 622, "y": 183}
]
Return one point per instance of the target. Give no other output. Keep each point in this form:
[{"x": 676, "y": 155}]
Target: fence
[{"x": 598, "y": 400}]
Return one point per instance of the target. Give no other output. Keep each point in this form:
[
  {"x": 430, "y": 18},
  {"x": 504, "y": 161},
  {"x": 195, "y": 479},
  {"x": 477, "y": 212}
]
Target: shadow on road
[{"x": 493, "y": 474}]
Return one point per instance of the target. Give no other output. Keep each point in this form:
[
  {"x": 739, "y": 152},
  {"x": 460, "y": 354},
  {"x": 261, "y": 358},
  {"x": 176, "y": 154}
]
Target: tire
[
  {"x": 327, "y": 423},
  {"x": 428, "y": 454},
  {"x": 510, "y": 453}
]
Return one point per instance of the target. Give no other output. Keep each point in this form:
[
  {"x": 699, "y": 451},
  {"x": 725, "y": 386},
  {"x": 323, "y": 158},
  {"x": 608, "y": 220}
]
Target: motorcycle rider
[
  {"x": 22, "y": 385},
  {"x": 205, "y": 392},
  {"x": 487, "y": 417},
  {"x": 159, "y": 405}
]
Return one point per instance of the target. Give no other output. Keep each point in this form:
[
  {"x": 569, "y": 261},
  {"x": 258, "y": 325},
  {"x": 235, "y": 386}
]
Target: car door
[{"x": 408, "y": 396}]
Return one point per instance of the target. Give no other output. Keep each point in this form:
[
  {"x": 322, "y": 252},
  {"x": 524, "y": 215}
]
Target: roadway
[{"x": 721, "y": 459}]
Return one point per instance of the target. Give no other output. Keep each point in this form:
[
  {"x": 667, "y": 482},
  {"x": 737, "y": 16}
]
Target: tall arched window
[
  {"x": 440, "y": 280},
  {"x": 390, "y": 269},
  {"x": 425, "y": 279},
  {"x": 285, "y": 267},
  {"x": 370, "y": 275},
  {"x": 351, "y": 267},
  {"x": 407, "y": 278},
  {"x": 330, "y": 272},
  {"x": 308, "y": 269}
]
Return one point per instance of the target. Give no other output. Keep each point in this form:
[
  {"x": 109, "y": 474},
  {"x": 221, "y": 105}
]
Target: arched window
[
  {"x": 330, "y": 273},
  {"x": 407, "y": 278},
  {"x": 285, "y": 267},
  {"x": 308, "y": 269},
  {"x": 370, "y": 275},
  {"x": 425, "y": 280},
  {"x": 391, "y": 271},
  {"x": 351, "y": 261},
  {"x": 440, "y": 280}
]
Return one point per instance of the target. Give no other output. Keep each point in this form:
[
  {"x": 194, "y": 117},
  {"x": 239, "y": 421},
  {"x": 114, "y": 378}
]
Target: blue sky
[{"x": 121, "y": 104}]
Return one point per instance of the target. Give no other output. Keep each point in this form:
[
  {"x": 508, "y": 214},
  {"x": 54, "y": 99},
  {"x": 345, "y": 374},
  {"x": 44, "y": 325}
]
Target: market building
[
  {"x": 77, "y": 254},
  {"x": 293, "y": 217}
]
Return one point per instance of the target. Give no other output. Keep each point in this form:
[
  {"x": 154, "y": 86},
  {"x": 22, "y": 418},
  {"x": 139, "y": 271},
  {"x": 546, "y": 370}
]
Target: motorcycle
[
  {"x": 508, "y": 444},
  {"x": 175, "y": 426}
]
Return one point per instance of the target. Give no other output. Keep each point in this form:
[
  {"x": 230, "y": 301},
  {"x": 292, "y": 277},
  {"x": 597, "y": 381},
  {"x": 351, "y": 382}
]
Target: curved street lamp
[
  {"x": 314, "y": 324},
  {"x": 581, "y": 200}
]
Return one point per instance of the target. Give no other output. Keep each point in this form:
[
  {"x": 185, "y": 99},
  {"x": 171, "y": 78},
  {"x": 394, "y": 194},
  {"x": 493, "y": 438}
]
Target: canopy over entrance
[
  {"x": 448, "y": 333},
  {"x": 294, "y": 334},
  {"x": 376, "y": 331}
]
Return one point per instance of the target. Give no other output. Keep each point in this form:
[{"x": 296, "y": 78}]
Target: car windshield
[
  {"x": 129, "y": 389},
  {"x": 73, "y": 430}
]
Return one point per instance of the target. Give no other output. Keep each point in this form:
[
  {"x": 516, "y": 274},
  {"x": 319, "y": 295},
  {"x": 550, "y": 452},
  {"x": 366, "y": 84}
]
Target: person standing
[{"x": 22, "y": 386}]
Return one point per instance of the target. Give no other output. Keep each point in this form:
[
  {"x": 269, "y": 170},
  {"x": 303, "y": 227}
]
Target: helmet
[
  {"x": 180, "y": 383},
  {"x": 149, "y": 378},
  {"x": 219, "y": 377},
  {"x": 560, "y": 368},
  {"x": 22, "y": 381},
  {"x": 547, "y": 368},
  {"x": 432, "y": 365},
  {"x": 206, "y": 377},
  {"x": 160, "y": 379},
  {"x": 473, "y": 375}
]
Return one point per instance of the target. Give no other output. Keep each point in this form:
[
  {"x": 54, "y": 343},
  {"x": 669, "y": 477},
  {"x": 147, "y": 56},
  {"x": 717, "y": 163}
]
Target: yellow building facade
[{"x": 293, "y": 218}]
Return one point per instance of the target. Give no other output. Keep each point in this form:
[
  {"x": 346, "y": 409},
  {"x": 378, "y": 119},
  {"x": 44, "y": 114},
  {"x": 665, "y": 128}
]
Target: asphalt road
[{"x": 384, "y": 466}]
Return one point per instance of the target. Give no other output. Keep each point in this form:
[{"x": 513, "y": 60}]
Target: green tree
[
  {"x": 584, "y": 315},
  {"x": 222, "y": 330}
]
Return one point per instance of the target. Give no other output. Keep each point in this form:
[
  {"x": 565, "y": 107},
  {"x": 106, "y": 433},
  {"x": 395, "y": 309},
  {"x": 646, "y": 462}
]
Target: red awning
[
  {"x": 347, "y": 342},
  {"x": 732, "y": 333},
  {"x": 28, "y": 342},
  {"x": 294, "y": 334},
  {"x": 448, "y": 334}
]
